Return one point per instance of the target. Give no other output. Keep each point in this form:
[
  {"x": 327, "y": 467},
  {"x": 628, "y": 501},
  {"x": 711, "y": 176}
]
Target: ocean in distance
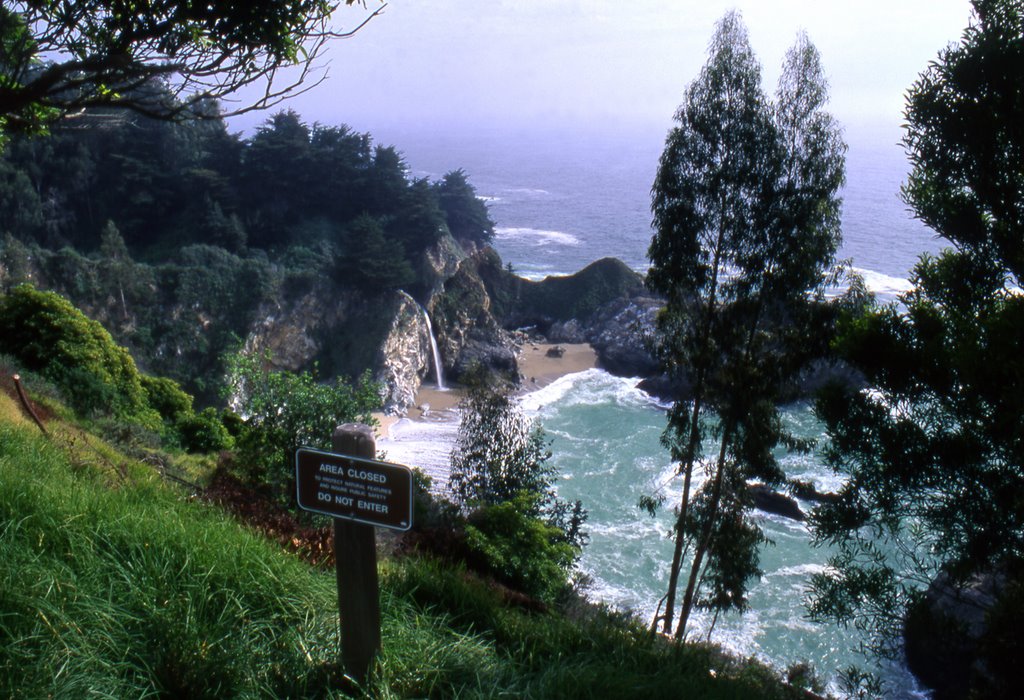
[{"x": 562, "y": 198}]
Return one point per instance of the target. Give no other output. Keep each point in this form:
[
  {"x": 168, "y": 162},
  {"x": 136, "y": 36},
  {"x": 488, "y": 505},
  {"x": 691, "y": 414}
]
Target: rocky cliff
[
  {"x": 346, "y": 331},
  {"x": 604, "y": 304}
]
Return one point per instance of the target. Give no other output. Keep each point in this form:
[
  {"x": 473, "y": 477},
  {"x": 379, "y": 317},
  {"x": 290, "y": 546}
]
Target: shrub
[
  {"x": 50, "y": 336},
  {"x": 519, "y": 550},
  {"x": 203, "y": 432},
  {"x": 287, "y": 410},
  {"x": 499, "y": 454},
  {"x": 167, "y": 397}
]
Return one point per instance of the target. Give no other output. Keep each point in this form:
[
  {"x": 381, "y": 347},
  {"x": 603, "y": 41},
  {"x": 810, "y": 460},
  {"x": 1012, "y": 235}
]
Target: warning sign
[{"x": 363, "y": 490}]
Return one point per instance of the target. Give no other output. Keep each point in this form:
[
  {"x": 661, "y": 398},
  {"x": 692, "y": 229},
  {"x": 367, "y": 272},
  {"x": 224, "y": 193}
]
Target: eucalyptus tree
[
  {"x": 938, "y": 441},
  {"x": 747, "y": 222}
]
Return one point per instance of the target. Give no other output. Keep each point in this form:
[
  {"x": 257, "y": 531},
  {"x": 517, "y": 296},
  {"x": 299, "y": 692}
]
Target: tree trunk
[
  {"x": 694, "y": 441},
  {"x": 705, "y": 539}
]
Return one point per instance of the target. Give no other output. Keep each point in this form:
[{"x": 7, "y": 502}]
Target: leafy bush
[
  {"x": 287, "y": 410},
  {"x": 499, "y": 455},
  {"x": 50, "y": 336},
  {"x": 517, "y": 528},
  {"x": 203, "y": 432},
  {"x": 166, "y": 396},
  {"x": 520, "y": 550}
]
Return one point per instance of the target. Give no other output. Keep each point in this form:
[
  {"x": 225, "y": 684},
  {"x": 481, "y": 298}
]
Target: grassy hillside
[{"x": 117, "y": 585}]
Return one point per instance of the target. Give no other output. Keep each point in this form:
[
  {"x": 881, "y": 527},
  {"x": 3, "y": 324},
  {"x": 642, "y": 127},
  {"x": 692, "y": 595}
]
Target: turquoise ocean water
[{"x": 561, "y": 199}]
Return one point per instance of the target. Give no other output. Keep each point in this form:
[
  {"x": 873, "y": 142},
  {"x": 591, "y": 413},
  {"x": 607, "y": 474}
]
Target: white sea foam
[
  {"x": 539, "y": 273},
  {"x": 801, "y": 570},
  {"x": 535, "y": 237},
  {"x": 425, "y": 445},
  {"x": 882, "y": 284},
  {"x": 590, "y": 387},
  {"x": 536, "y": 191}
]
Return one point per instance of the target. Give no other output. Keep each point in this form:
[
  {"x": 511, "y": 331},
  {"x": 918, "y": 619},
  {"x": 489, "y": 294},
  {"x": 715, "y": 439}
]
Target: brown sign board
[{"x": 352, "y": 488}]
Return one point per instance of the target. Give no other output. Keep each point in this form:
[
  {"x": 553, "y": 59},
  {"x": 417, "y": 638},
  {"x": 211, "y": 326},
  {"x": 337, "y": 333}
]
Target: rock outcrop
[
  {"x": 604, "y": 304},
  {"x": 403, "y": 358},
  {"x": 943, "y": 634},
  {"x": 469, "y": 335},
  {"x": 289, "y": 331},
  {"x": 770, "y": 501},
  {"x": 345, "y": 333},
  {"x": 621, "y": 332}
]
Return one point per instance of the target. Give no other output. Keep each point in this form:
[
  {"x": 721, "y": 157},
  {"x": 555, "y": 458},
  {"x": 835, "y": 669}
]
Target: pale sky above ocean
[{"x": 606, "y": 61}]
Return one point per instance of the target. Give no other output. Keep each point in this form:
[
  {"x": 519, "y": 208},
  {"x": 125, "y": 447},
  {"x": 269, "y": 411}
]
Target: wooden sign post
[{"x": 360, "y": 493}]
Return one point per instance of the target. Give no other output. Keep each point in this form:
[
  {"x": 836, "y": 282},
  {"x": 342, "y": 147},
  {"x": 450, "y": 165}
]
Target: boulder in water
[{"x": 771, "y": 501}]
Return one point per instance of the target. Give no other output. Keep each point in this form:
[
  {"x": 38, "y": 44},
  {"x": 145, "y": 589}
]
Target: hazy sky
[{"x": 590, "y": 62}]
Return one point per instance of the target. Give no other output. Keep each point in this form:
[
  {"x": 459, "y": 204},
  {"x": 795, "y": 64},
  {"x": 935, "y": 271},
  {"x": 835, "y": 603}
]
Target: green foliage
[
  {"x": 465, "y": 213},
  {"x": 369, "y": 261},
  {"x": 166, "y": 396},
  {"x": 195, "y": 432},
  {"x": 50, "y": 336},
  {"x": 747, "y": 216},
  {"x": 492, "y": 649},
  {"x": 498, "y": 453},
  {"x": 15, "y": 263},
  {"x": 964, "y": 136},
  {"x": 525, "y": 534},
  {"x": 519, "y": 549},
  {"x": 215, "y": 296},
  {"x": 499, "y": 456},
  {"x": 203, "y": 432},
  {"x": 56, "y": 62},
  {"x": 137, "y": 592},
  {"x": 286, "y": 410},
  {"x": 933, "y": 452}
]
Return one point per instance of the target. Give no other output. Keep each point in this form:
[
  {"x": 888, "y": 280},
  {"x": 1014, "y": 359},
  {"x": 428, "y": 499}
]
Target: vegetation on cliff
[
  {"x": 116, "y": 581},
  {"x": 746, "y": 211},
  {"x": 176, "y": 235}
]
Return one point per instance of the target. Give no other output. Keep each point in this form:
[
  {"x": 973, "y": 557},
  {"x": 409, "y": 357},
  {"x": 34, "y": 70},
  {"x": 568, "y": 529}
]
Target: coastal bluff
[{"x": 480, "y": 314}]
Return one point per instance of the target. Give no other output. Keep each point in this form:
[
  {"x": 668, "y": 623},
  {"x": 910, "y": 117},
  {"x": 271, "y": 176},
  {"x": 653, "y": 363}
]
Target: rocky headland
[{"x": 482, "y": 316}]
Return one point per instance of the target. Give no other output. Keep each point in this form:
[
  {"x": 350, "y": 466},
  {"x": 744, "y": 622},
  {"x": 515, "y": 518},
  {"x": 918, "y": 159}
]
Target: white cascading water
[{"x": 438, "y": 372}]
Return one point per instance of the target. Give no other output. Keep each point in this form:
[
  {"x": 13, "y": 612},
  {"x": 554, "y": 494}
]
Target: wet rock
[
  {"x": 404, "y": 355},
  {"x": 771, "y": 501},
  {"x": 666, "y": 388},
  {"x": 494, "y": 357},
  {"x": 571, "y": 331},
  {"x": 809, "y": 492},
  {"x": 621, "y": 333},
  {"x": 944, "y": 632},
  {"x": 556, "y": 351}
]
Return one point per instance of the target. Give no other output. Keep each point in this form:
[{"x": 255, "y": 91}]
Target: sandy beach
[{"x": 538, "y": 369}]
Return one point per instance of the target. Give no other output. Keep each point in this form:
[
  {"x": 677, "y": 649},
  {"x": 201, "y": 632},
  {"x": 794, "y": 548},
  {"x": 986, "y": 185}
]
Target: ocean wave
[
  {"x": 802, "y": 570},
  {"x": 536, "y": 237},
  {"x": 526, "y": 190},
  {"x": 536, "y": 275},
  {"x": 883, "y": 284},
  {"x": 589, "y": 387},
  {"x": 423, "y": 445}
]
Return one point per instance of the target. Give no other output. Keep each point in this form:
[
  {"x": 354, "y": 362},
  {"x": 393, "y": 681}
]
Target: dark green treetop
[
  {"x": 934, "y": 451},
  {"x": 465, "y": 213}
]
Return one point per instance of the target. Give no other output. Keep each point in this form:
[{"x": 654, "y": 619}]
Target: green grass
[{"x": 118, "y": 587}]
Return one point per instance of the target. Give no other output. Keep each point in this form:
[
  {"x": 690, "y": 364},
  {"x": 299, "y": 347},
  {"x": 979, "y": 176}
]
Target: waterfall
[{"x": 438, "y": 372}]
